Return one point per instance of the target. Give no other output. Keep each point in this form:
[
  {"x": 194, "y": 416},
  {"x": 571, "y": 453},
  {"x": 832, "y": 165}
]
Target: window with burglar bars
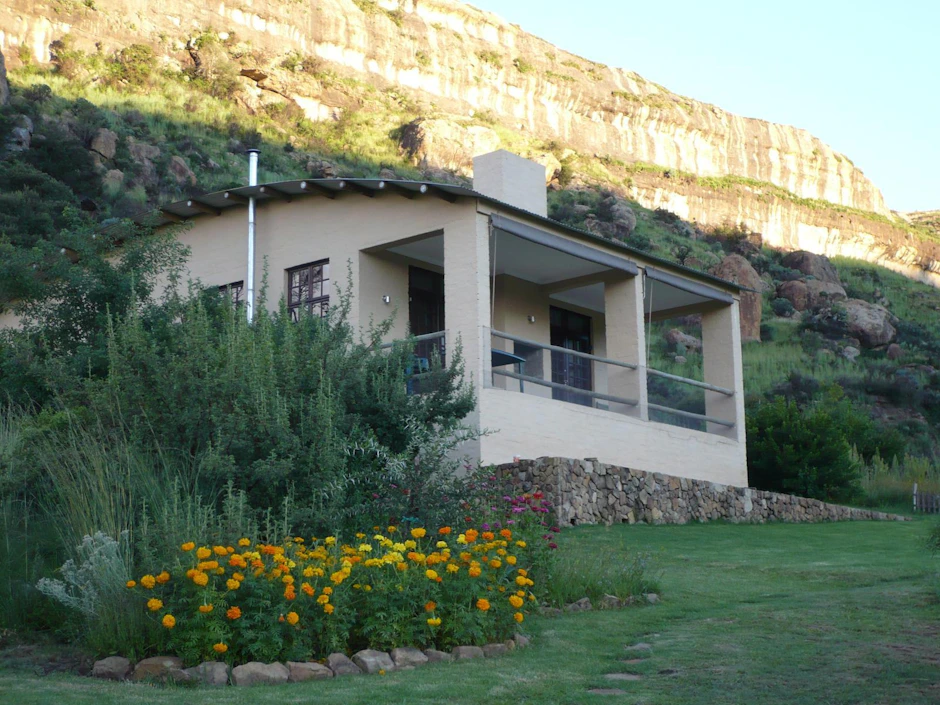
[
  {"x": 309, "y": 287},
  {"x": 236, "y": 290}
]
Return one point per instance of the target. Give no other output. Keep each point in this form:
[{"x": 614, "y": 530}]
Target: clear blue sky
[{"x": 863, "y": 76}]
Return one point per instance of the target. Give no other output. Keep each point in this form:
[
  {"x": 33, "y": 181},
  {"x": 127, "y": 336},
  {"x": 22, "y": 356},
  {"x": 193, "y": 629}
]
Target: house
[{"x": 552, "y": 320}]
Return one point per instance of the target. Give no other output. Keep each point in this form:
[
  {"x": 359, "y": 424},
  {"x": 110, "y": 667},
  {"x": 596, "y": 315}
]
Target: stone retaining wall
[{"x": 590, "y": 492}]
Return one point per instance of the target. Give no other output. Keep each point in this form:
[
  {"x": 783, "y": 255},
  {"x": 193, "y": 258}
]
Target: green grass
[{"x": 802, "y": 614}]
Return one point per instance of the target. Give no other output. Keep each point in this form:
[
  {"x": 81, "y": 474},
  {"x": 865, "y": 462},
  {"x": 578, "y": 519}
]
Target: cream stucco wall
[{"x": 524, "y": 426}]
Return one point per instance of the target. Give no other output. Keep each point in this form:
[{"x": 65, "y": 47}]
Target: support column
[
  {"x": 467, "y": 298},
  {"x": 721, "y": 349},
  {"x": 626, "y": 341}
]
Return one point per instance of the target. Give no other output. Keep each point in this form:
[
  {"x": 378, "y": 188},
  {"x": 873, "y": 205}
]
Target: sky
[{"x": 862, "y": 76}]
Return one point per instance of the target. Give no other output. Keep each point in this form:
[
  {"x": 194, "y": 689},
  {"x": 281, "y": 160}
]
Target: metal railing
[{"x": 582, "y": 395}]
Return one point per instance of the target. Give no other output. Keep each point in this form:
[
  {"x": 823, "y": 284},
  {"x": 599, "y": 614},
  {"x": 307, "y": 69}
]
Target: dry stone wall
[{"x": 590, "y": 492}]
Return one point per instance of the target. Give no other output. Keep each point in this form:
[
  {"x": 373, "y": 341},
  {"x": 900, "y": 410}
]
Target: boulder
[
  {"x": 492, "y": 650},
  {"x": 387, "y": 174},
  {"x": 322, "y": 169},
  {"x": 812, "y": 265},
  {"x": 104, "y": 143},
  {"x": 257, "y": 673},
  {"x": 341, "y": 665},
  {"x": 112, "y": 668},
  {"x": 582, "y": 605},
  {"x": 435, "y": 656},
  {"x": 4, "y": 84},
  {"x": 464, "y": 652},
  {"x": 448, "y": 144},
  {"x": 300, "y": 671},
  {"x": 850, "y": 352},
  {"x": 894, "y": 352},
  {"x": 372, "y": 661},
  {"x": 213, "y": 673},
  {"x": 408, "y": 657},
  {"x": 180, "y": 171},
  {"x": 157, "y": 668},
  {"x": 676, "y": 337},
  {"x": 113, "y": 179},
  {"x": 870, "y": 323},
  {"x": 652, "y": 598},
  {"x": 21, "y": 136},
  {"x": 796, "y": 292},
  {"x": 550, "y": 162},
  {"x": 737, "y": 269},
  {"x": 821, "y": 292}
]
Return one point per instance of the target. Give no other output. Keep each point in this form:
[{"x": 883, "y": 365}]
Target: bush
[
  {"x": 801, "y": 451},
  {"x": 782, "y": 307}
]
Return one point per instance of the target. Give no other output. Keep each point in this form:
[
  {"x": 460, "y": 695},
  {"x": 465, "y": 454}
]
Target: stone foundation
[{"x": 590, "y": 492}]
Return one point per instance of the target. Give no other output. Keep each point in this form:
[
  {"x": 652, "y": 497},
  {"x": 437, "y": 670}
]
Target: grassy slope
[{"x": 829, "y": 613}]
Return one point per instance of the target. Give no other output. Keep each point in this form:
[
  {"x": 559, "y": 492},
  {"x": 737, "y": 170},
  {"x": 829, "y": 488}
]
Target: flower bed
[{"x": 306, "y": 598}]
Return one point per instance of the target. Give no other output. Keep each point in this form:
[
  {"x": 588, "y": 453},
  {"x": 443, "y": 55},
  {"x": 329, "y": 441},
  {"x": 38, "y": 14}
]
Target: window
[
  {"x": 236, "y": 290},
  {"x": 309, "y": 287}
]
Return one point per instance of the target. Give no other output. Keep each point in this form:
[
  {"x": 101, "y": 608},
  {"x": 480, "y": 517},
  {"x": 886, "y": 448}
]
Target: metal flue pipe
[{"x": 250, "y": 278}]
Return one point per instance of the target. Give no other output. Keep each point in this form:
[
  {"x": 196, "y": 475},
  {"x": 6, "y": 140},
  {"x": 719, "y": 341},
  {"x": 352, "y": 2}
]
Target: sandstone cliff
[{"x": 453, "y": 60}]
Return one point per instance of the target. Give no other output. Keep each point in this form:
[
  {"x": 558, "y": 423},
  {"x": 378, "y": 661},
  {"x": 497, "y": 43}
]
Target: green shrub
[
  {"x": 782, "y": 307},
  {"x": 801, "y": 451},
  {"x": 134, "y": 64},
  {"x": 522, "y": 66}
]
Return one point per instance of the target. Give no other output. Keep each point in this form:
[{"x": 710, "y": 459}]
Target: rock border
[{"x": 368, "y": 661}]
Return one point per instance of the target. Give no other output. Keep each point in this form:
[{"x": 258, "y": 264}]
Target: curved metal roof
[{"x": 215, "y": 203}]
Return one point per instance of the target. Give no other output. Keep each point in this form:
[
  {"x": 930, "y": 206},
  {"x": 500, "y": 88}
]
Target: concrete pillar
[
  {"x": 467, "y": 297},
  {"x": 626, "y": 341},
  {"x": 721, "y": 350}
]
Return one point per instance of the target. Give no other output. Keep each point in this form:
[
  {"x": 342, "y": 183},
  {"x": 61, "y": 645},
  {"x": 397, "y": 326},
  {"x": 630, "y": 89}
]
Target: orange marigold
[
  {"x": 131, "y": 583},
  {"x": 202, "y": 553},
  {"x": 169, "y": 621},
  {"x": 430, "y": 606},
  {"x": 293, "y": 618},
  {"x": 444, "y": 530},
  {"x": 488, "y": 535},
  {"x": 188, "y": 546},
  {"x": 516, "y": 601},
  {"x": 328, "y": 608},
  {"x": 483, "y": 604},
  {"x": 148, "y": 581},
  {"x": 518, "y": 616},
  {"x": 471, "y": 535},
  {"x": 506, "y": 534},
  {"x": 201, "y": 579},
  {"x": 220, "y": 648},
  {"x": 233, "y": 612},
  {"x": 153, "y": 604},
  {"x": 220, "y": 550},
  {"x": 206, "y": 609},
  {"x": 164, "y": 577},
  {"x": 232, "y": 584}
]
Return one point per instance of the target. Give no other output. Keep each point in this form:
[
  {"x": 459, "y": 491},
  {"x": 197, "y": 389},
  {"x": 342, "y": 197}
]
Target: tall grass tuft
[
  {"x": 892, "y": 484},
  {"x": 594, "y": 575}
]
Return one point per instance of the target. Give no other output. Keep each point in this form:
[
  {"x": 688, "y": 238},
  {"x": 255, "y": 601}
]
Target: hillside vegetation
[{"x": 103, "y": 136}]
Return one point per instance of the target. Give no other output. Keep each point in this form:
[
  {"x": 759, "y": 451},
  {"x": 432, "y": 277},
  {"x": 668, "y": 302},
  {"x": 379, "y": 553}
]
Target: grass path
[{"x": 831, "y": 613}]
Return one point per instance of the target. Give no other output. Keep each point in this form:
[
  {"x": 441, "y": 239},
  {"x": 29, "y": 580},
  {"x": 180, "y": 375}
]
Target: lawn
[{"x": 830, "y": 613}]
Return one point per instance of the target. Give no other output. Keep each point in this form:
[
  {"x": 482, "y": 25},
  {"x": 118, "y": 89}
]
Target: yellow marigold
[
  {"x": 531, "y": 598},
  {"x": 502, "y": 588},
  {"x": 220, "y": 571},
  {"x": 328, "y": 608},
  {"x": 367, "y": 588},
  {"x": 220, "y": 648},
  {"x": 233, "y": 612},
  {"x": 511, "y": 560},
  {"x": 131, "y": 583},
  {"x": 521, "y": 544},
  {"x": 434, "y": 621},
  {"x": 518, "y": 616},
  {"x": 501, "y": 552},
  {"x": 516, "y": 601},
  {"x": 410, "y": 545},
  {"x": 191, "y": 572},
  {"x": 483, "y": 604},
  {"x": 153, "y": 604},
  {"x": 201, "y": 579},
  {"x": 418, "y": 533},
  {"x": 169, "y": 621},
  {"x": 164, "y": 577},
  {"x": 239, "y": 577},
  {"x": 521, "y": 581},
  {"x": 188, "y": 546},
  {"x": 148, "y": 581},
  {"x": 244, "y": 542},
  {"x": 308, "y": 572},
  {"x": 206, "y": 609},
  {"x": 220, "y": 550},
  {"x": 330, "y": 540},
  {"x": 293, "y": 618},
  {"x": 232, "y": 584},
  {"x": 452, "y": 567},
  {"x": 208, "y": 565},
  {"x": 392, "y": 529},
  {"x": 431, "y": 574},
  {"x": 202, "y": 553},
  {"x": 474, "y": 571},
  {"x": 288, "y": 579},
  {"x": 430, "y": 606},
  {"x": 496, "y": 563},
  {"x": 327, "y": 590},
  {"x": 365, "y": 548},
  {"x": 323, "y": 599}
]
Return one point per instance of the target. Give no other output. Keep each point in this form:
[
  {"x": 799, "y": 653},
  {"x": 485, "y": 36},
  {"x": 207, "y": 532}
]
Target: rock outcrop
[
  {"x": 737, "y": 269},
  {"x": 4, "y": 85}
]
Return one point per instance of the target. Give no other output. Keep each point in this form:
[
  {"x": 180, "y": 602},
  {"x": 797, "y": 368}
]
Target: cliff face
[{"x": 452, "y": 59}]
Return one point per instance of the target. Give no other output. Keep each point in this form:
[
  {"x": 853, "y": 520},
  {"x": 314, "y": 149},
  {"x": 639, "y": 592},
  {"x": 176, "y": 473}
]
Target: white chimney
[{"x": 509, "y": 178}]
